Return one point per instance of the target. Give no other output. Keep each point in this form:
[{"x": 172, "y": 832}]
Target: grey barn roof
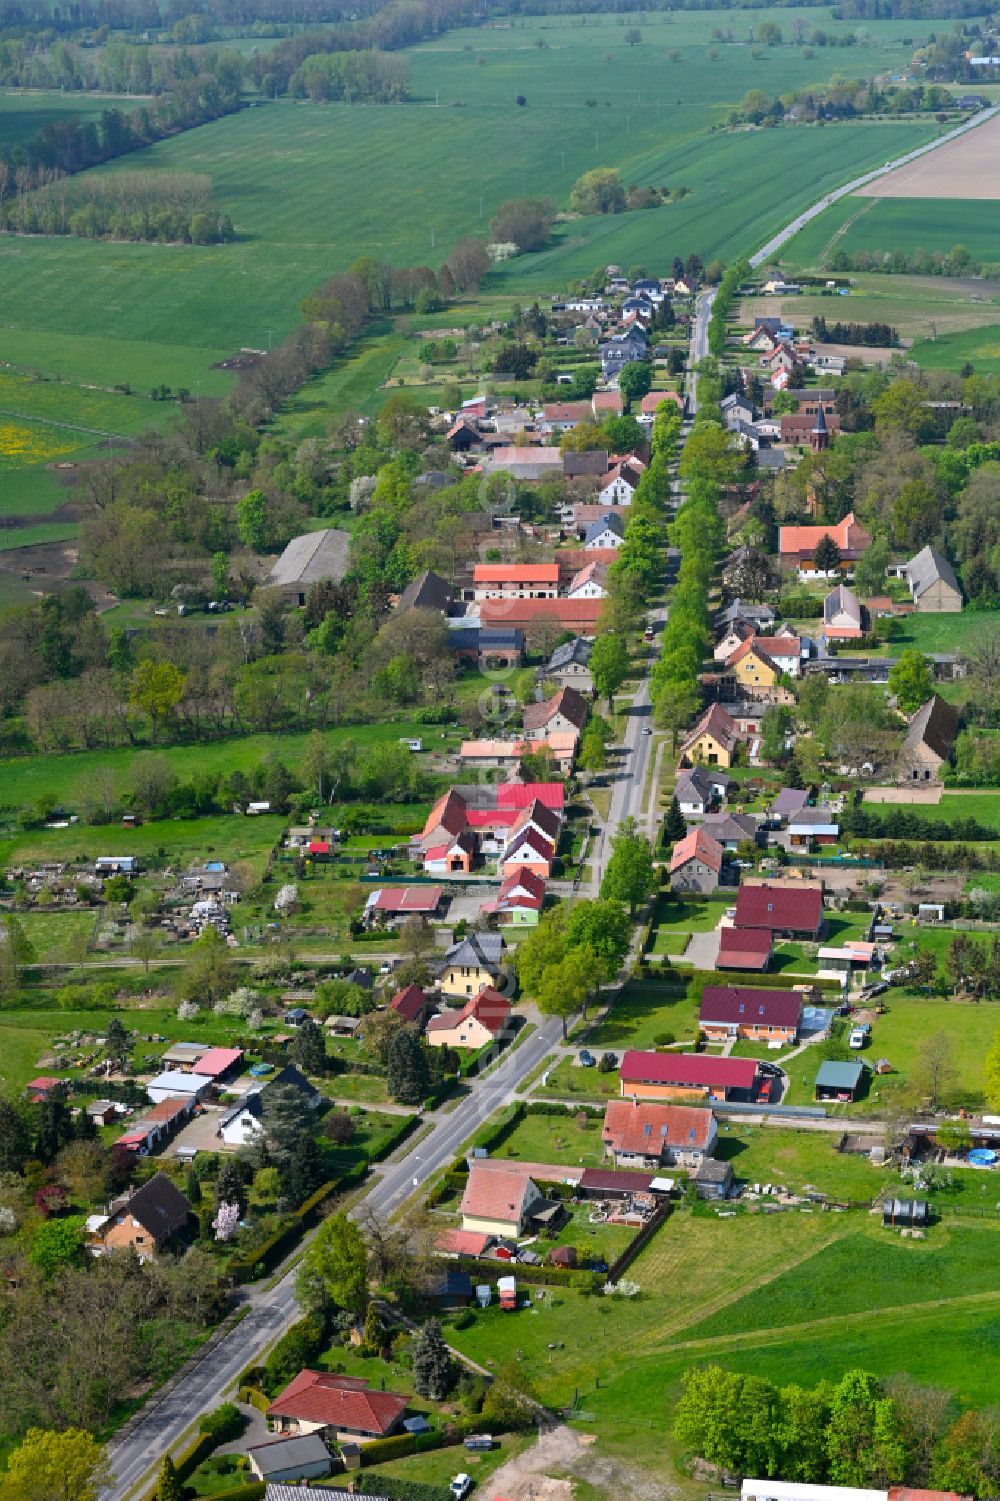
[
  {"x": 313, "y": 557},
  {"x": 428, "y": 591},
  {"x": 576, "y": 651},
  {"x": 934, "y": 725},
  {"x": 285, "y": 1453},
  {"x": 842, "y": 598},
  {"x": 926, "y": 569}
]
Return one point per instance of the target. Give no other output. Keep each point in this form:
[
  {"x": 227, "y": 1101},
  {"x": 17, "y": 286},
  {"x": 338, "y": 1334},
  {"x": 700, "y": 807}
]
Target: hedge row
[
  {"x": 500, "y": 1132},
  {"x": 253, "y": 1396},
  {"x": 488, "y": 1270},
  {"x": 394, "y": 1488},
  {"x": 401, "y": 1445},
  {"x": 546, "y": 1107},
  {"x": 761, "y": 981},
  {"x": 244, "y": 1268},
  {"x": 407, "y": 1124}
]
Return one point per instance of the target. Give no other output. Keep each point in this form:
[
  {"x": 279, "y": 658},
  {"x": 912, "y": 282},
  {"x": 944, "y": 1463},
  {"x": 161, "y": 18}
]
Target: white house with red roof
[
  {"x": 484, "y": 1019},
  {"x": 515, "y": 580},
  {"x": 643, "y": 1135},
  {"x": 498, "y": 1200},
  {"x": 565, "y": 711},
  {"x": 519, "y": 903},
  {"x": 342, "y": 1408},
  {"x": 397, "y": 903},
  {"x": 591, "y": 582}
]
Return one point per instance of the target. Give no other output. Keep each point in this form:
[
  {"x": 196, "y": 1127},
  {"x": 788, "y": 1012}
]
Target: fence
[{"x": 640, "y": 1242}]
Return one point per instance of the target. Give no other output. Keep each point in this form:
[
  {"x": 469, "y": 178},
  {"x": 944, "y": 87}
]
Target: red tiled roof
[
  {"x": 489, "y": 1008},
  {"x": 533, "y": 885},
  {"x": 652, "y": 400},
  {"x": 216, "y": 1061},
  {"x": 568, "y": 702},
  {"x": 744, "y": 948},
  {"x": 692, "y": 1069},
  {"x": 491, "y": 818},
  {"x": 750, "y": 1005},
  {"x": 448, "y": 813},
  {"x": 339, "y": 1402},
  {"x": 779, "y": 907},
  {"x": 495, "y": 1193},
  {"x": 508, "y": 573},
  {"x": 463, "y": 1242},
  {"x": 800, "y": 539},
  {"x": 520, "y": 612},
  {"x": 409, "y": 1002},
  {"x": 780, "y": 646},
  {"x": 647, "y": 1129},
  {"x": 523, "y": 794},
  {"x": 697, "y": 846},
  {"x": 166, "y": 1110},
  {"x": 408, "y": 898},
  {"x": 43, "y": 1082}
]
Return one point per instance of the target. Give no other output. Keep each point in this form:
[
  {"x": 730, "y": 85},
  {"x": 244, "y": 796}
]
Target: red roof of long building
[
  {"x": 779, "y": 908},
  {"x": 688, "y": 1069},
  {"x": 647, "y": 1129},
  {"x": 750, "y": 1005}
]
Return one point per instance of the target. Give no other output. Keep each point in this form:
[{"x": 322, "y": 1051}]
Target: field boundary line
[{"x": 74, "y": 427}]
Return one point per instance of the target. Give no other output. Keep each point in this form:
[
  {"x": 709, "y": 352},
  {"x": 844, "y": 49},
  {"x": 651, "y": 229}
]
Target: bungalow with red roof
[
  {"x": 652, "y": 1136},
  {"x": 797, "y": 544},
  {"x": 651, "y": 403},
  {"x": 462, "y": 1243},
  {"x": 687, "y": 1076},
  {"x": 783, "y": 911},
  {"x": 749, "y": 1013},
  {"x": 504, "y": 754},
  {"x": 484, "y": 1019},
  {"x": 411, "y": 1004},
  {"x": 498, "y": 1200},
  {"x": 39, "y": 1089},
  {"x": 563, "y": 416},
  {"x": 696, "y": 862},
  {"x": 745, "y": 948},
  {"x": 515, "y": 580},
  {"x": 341, "y": 1408},
  {"x": 604, "y": 402}
]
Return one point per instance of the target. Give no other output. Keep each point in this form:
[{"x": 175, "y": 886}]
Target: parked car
[
  {"x": 460, "y": 1487},
  {"x": 587, "y": 1059}
]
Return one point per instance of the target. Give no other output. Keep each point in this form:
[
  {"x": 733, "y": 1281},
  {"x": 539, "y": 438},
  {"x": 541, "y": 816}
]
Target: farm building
[
  {"x": 750, "y": 1013},
  {"x": 394, "y": 903},
  {"x": 310, "y": 559},
  {"x": 931, "y": 581},
  {"x": 687, "y": 1076},
  {"x": 712, "y": 1179},
  {"x": 839, "y": 1081},
  {"x": 928, "y": 742}
]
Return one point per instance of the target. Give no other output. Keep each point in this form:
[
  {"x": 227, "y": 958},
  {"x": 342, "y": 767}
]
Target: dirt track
[
  {"x": 965, "y": 168},
  {"x": 926, "y": 796},
  {"x": 546, "y": 1471}
]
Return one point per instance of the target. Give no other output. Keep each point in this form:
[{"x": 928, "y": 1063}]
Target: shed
[
  {"x": 172, "y": 1085},
  {"x": 839, "y": 1081},
  {"x": 452, "y": 1289},
  {"x": 564, "y": 1256},
  {"x": 304, "y": 1457},
  {"x": 712, "y": 1179},
  {"x": 911, "y": 1213}
]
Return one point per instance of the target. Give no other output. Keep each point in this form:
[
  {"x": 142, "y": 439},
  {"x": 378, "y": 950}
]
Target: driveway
[
  {"x": 199, "y": 1135},
  {"x": 703, "y": 950}
]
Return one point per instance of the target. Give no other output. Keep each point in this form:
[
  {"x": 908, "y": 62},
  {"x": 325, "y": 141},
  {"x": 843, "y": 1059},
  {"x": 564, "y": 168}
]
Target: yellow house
[
  {"x": 751, "y": 666},
  {"x": 472, "y": 964},
  {"x": 713, "y": 740}
]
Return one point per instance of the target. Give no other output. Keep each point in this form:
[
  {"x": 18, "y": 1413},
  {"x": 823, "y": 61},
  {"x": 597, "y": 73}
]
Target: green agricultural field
[
  {"x": 944, "y": 633},
  {"x": 25, "y": 112},
  {"x": 908, "y": 224},
  {"x": 975, "y": 346}
]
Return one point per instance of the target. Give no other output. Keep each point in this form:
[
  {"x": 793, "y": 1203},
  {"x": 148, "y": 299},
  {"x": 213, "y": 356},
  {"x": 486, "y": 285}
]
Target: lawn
[
  {"x": 59, "y": 937},
  {"x": 947, "y": 633},
  {"x": 438, "y": 1466},
  {"x": 799, "y": 1159},
  {"x": 983, "y": 806},
  {"x": 231, "y": 836},
  {"x": 566, "y": 1142},
  {"x": 645, "y": 1013},
  {"x": 950, "y": 351}
]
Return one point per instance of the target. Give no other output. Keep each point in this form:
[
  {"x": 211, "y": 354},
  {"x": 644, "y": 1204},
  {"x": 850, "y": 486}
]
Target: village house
[
  {"x": 713, "y": 740},
  {"x": 749, "y": 1013},
  {"x": 812, "y": 826},
  {"x": 506, "y": 755},
  {"x": 731, "y": 829},
  {"x": 499, "y": 1201},
  {"x": 563, "y": 416},
  {"x": 564, "y": 713},
  {"x": 842, "y": 615},
  {"x": 314, "y": 558},
  {"x": 528, "y": 464},
  {"x": 142, "y": 1220},
  {"x": 604, "y": 534},
  {"x": 484, "y": 1019},
  {"x": 606, "y": 403},
  {"x": 500, "y": 646},
  {"x": 734, "y": 637},
  {"x": 759, "y": 617},
  {"x": 748, "y": 949},
  {"x": 929, "y": 741},
  {"x": 931, "y": 581},
  {"x": 586, "y": 469},
  {"x": 786, "y": 802},
  {"x": 471, "y": 964},
  {"x": 797, "y": 544},
  {"x": 464, "y": 436},
  {"x": 569, "y": 665},
  {"x": 651, "y": 403},
  {"x": 590, "y": 583},
  {"x": 687, "y": 1076},
  {"x": 699, "y": 789},
  {"x": 242, "y": 1122},
  {"x": 786, "y": 911},
  {"x": 515, "y": 580},
  {"x": 752, "y": 668},
  {"x": 341, "y": 1408},
  {"x": 412, "y": 1004},
  {"x": 520, "y": 900},
  {"x": 696, "y": 863},
  {"x": 652, "y": 1136}
]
